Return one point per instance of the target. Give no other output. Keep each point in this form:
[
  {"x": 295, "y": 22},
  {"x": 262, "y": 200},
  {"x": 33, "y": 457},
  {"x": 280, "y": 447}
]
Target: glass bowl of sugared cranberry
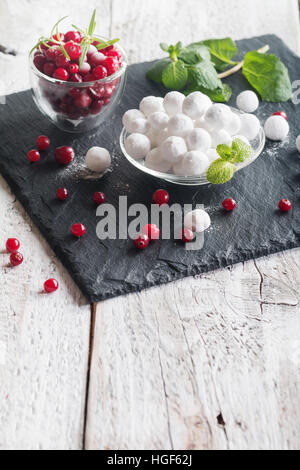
[{"x": 78, "y": 78}]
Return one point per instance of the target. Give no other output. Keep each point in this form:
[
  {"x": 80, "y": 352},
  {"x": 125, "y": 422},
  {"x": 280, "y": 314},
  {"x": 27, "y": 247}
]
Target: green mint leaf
[
  {"x": 224, "y": 151},
  {"x": 220, "y": 95},
  {"x": 155, "y": 73},
  {"x": 222, "y": 51},
  {"x": 164, "y": 47},
  {"x": 220, "y": 172},
  {"x": 240, "y": 151},
  {"x": 268, "y": 75},
  {"x": 175, "y": 75},
  {"x": 178, "y": 47},
  {"x": 204, "y": 75},
  {"x": 194, "y": 53},
  {"x": 92, "y": 25}
]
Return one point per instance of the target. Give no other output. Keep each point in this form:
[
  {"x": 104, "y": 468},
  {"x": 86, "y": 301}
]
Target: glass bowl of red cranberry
[{"x": 77, "y": 93}]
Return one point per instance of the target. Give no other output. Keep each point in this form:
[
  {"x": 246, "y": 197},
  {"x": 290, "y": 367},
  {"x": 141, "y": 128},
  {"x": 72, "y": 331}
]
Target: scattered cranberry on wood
[
  {"x": 16, "y": 259},
  {"x": 50, "y": 286},
  {"x": 12, "y": 245}
]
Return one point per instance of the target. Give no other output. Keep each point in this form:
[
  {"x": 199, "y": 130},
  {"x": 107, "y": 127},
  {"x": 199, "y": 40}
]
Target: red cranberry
[
  {"x": 12, "y": 245},
  {"x": 111, "y": 65},
  {"x": 78, "y": 230},
  {"x": 33, "y": 156},
  {"x": 109, "y": 91},
  {"x": 83, "y": 101},
  {"x": 62, "y": 194},
  {"x": 152, "y": 231},
  {"x": 105, "y": 101},
  {"x": 96, "y": 107},
  {"x": 51, "y": 286},
  {"x": 73, "y": 36},
  {"x": 85, "y": 69},
  {"x": 74, "y": 92},
  {"x": 187, "y": 235},
  {"x": 60, "y": 37},
  {"x": 116, "y": 54},
  {"x": 229, "y": 204},
  {"x": 110, "y": 48},
  {"x": 281, "y": 113},
  {"x": 43, "y": 142},
  {"x": 97, "y": 91},
  {"x": 73, "y": 68},
  {"x": 39, "y": 61},
  {"x": 16, "y": 259},
  {"x": 61, "y": 61},
  {"x": 285, "y": 205},
  {"x": 99, "y": 72},
  {"x": 52, "y": 53},
  {"x": 142, "y": 242},
  {"x": 161, "y": 197},
  {"x": 64, "y": 155},
  {"x": 73, "y": 50},
  {"x": 49, "y": 69},
  {"x": 88, "y": 78},
  {"x": 99, "y": 198},
  {"x": 76, "y": 78},
  {"x": 61, "y": 74}
]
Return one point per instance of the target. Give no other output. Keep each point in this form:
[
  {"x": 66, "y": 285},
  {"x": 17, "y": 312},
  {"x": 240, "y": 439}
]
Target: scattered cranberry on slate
[
  {"x": 33, "y": 156},
  {"x": 187, "y": 235},
  {"x": 16, "y": 259},
  {"x": 285, "y": 205},
  {"x": 50, "y": 286},
  {"x": 12, "y": 245},
  {"x": 43, "y": 142},
  {"x": 78, "y": 230},
  {"x": 99, "y": 198},
  {"x": 142, "y": 242},
  {"x": 61, "y": 74},
  {"x": 64, "y": 155},
  {"x": 280, "y": 113},
  {"x": 161, "y": 197},
  {"x": 229, "y": 204},
  {"x": 152, "y": 232},
  {"x": 62, "y": 194}
]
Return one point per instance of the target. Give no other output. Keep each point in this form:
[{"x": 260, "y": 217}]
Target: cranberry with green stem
[
  {"x": 16, "y": 259},
  {"x": 33, "y": 156},
  {"x": 62, "y": 194},
  {"x": 229, "y": 204},
  {"x": 78, "y": 230},
  {"x": 50, "y": 286},
  {"x": 141, "y": 242},
  {"x": 12, "y": 245},
  {"x": 285, "y": 205},
  {"x": 43, "y": 142}
]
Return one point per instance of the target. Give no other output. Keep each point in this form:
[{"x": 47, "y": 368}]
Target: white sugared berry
[
  {"x": 173, "y": 148},
  {"x": 233, "y": 124},
  {"x": 247, "y": 101},
  {"x": 298, "y": 143},
  {"x": 193, "y": 163},
  {"x": 197, "y": 220},
  {"x": 250, "y": 126},
  {"x": 158, "y": 121},
  {"x": 98, "y": 159},
  {"x": 140, "y": 126},
  {"x": 196, "y": 104},
  {"x": 221, "y": 137},
  {"x": 276, "y": 128},
  {"x": 155, "y": 162},
  {"x": 151, "y": 104},
  {"x": 180, "y": 125},
  {"x": 173, "y": 102},
  {"x": 198, "y": 139},
  {"x": 202, "y": 124},
  {"x": 216, "y": 116},
  {"x": 129, "y": 117},
  {"x": 212, "y": 155},
  {"x": 137, "y": 146}
]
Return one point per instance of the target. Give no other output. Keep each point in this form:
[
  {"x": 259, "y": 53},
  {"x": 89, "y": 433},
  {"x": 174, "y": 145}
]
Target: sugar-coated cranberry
[
  {"x": 12, "y": 245},
  {"x": 96, "y": 107},
  {"x": 142, "y": 242},
  {"x": 62, "y": 194},
  {"x": 152, "y": 231},
  {"x": 49, "y": 69},
  {"x": 78, "y": 230},
  {"x": 285, "y": 205},
  {"x": 52, "y": 53},
  {"x": 33, "y": 156},
  {"x": 111, "y": 65},
  {"x": 64, "y": 155},
  {"x": 73, "y": 36},
  {"x": 99, "y": 198},
  {"x": 73, "y": 50},
  {"x": 76, "y": 78},
  {"x": 99, "y": 72},
  {"x": 92, "y": 50},
  {"x": 62, "y": 61},
  {"x": 61, "y": 74},
  {"x": 161, "y": 197},
  {"x": 16, "y": 259},
  {"x": 97, "y": 59},
  {"x": 187, "y": 235},
  {"x": 85, "y": 68},
  {"x": 229, "y": 204},
  {"x": 73, "y": 68},
  {"x": 43, "y": 142},
  {"x": 281, "y": 113},
  {"x": 83, "y": 101},
  {"x": 50, "y": 286},
  {"x": 39, "y": 61}
]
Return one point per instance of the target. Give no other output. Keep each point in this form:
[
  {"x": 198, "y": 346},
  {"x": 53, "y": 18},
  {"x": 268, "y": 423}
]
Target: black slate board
[{"x": 107, "y": 269}]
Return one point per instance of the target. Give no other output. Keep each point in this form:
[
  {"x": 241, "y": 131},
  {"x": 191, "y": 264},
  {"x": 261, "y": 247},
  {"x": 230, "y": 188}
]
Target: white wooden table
[{"x": 211, "y": 362}]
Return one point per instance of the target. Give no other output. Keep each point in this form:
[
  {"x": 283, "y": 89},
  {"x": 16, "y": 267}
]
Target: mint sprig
[{"x": 223, "y": 169}]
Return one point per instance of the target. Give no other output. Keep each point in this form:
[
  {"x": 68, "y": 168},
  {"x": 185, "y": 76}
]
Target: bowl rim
[
  {"x": 106, "y": 80},
  {"x": 190, "y": 180}
]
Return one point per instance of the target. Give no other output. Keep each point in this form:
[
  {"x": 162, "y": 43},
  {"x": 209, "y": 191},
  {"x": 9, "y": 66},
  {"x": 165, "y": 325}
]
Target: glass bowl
[
  {"x": 56, "y": 99},
  {"x": 258, "y": 145}
]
